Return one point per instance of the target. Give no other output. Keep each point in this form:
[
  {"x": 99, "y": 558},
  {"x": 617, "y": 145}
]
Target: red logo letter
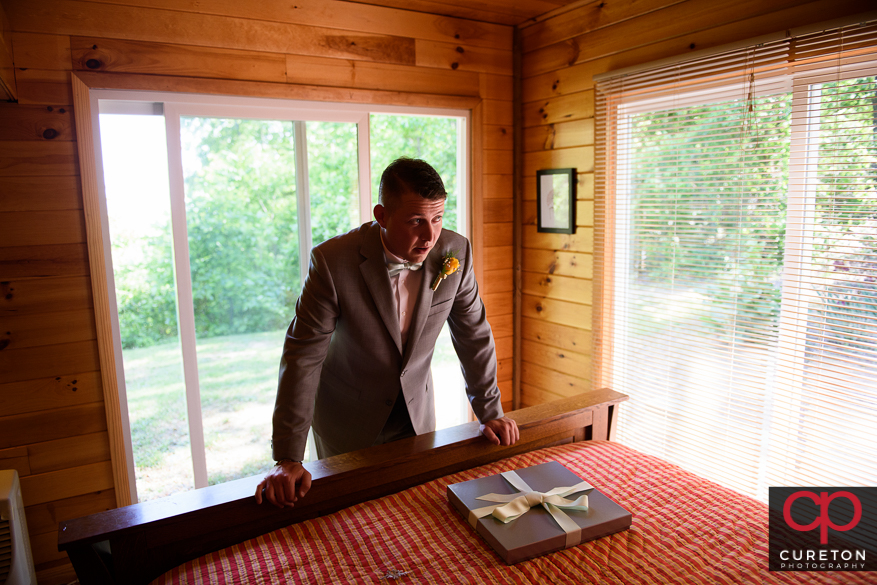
[{"x": 823, "y": 500}]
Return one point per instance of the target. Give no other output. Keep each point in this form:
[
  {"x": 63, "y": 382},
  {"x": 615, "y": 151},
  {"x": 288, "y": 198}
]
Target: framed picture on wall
[{"x": 556, "y": 201}]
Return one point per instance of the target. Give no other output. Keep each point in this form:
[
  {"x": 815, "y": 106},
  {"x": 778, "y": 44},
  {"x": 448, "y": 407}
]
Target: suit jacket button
[
  {"x": 388, "y": 402},
  {"x": 403, "y": 374}
]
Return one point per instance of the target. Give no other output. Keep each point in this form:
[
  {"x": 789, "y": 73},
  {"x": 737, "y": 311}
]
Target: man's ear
[{"x": 381, "y": 215}]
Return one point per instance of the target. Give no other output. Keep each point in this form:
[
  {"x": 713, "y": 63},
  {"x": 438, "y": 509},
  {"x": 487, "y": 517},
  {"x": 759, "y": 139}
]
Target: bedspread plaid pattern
[{"x": 685, "y": 529}]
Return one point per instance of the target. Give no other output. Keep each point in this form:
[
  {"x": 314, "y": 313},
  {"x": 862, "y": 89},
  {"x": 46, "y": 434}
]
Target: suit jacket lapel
[{"x": 374, "y": 271}]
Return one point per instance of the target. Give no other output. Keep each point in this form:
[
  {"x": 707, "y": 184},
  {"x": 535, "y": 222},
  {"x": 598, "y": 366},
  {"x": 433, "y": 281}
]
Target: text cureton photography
[{"x": 823, "y": 528}]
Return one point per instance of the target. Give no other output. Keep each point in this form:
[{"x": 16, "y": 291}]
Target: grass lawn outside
[{"x": 238, "y": 378}]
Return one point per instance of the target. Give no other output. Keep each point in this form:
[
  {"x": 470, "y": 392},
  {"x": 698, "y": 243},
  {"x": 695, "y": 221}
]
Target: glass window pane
[
  {"x": 244, "y": 255},
  {"x": 138, "y": 206},
  {"x": 430, "y": 138},
  {"x": 333, "y": 179},
  {"x": 433, "y": 139}
]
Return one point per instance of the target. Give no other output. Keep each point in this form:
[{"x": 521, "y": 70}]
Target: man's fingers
[
  {"x": 259, "y": 489},
  {"x": 305, "y": 484},
  {"x": 489, "y": 434}
]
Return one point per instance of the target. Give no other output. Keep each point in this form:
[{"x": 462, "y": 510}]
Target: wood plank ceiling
[{"x": 509, "y": 12}]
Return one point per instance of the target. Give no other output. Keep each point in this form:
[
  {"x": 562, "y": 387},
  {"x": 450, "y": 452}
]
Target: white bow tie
[{"x": 395, "y": 268}]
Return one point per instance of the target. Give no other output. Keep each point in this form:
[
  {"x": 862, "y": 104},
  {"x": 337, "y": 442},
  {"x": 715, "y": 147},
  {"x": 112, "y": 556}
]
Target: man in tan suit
[{"x": 356, "y": 362}]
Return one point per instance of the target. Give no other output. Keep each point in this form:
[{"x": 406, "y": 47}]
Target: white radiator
[{"x": 16, "y": 562}]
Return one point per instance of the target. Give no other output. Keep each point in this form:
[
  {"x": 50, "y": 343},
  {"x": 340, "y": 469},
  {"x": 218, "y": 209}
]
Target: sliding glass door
[{"x": 212, "y": 209}]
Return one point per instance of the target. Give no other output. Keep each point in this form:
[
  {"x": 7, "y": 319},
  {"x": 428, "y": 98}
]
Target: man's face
[{"x": 413, "y": 226}]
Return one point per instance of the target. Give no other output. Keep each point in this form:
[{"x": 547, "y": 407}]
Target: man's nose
[{"x": 430, "y": 232}]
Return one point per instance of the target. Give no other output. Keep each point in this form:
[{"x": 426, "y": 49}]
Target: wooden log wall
[
  {"x": 53, "y": 426},
  {"x": 561, "y": 54}
]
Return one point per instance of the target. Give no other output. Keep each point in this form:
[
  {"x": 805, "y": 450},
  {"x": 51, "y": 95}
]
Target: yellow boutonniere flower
[{"x": 450, "y": 264}]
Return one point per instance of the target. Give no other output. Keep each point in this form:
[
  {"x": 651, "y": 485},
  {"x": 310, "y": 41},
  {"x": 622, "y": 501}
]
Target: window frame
[
  {"x": 787, "y": 378},
  {"x": 89, "y": 88}
]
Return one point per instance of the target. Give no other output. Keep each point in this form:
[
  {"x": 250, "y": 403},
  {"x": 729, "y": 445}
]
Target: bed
[{"x": 381, "y": 515}]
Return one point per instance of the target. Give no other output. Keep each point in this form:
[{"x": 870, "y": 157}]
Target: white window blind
[{"x": 736, "y": 260}]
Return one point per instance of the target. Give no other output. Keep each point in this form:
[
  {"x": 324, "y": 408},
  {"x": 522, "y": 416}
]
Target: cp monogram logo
[{"x": 822, "y": 501}]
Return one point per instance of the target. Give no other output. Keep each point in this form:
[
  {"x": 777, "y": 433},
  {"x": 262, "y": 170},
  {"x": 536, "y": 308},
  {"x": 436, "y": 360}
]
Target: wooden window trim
[{"x": 83, "y": 82}]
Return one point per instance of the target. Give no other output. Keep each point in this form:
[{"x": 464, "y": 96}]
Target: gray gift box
[{"x": 536, "y": 533}]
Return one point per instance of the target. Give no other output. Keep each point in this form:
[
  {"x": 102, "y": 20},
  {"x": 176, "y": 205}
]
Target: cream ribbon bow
[
  {"x": 518, "y": 504},
  {"x": 395, "y": 268}
]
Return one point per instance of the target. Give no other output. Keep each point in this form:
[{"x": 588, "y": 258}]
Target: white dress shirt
[{"x": 406, "y": 287}]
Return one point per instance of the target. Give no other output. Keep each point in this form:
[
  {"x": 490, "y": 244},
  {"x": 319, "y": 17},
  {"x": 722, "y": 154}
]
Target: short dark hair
[{"x": 410, "y": 175}]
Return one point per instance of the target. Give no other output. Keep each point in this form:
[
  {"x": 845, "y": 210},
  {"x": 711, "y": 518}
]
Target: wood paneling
[
  {"x": 133, "y": 23},
  {"x": 497, "y": 258},
  {"x": 575, "y": 264},
  {"x": 533, "y": 396},
  {"x": 46, "y": 425},
  {"x": 497, "y": 234},
  {"x": 497, "y": 304},
  {"x": 496, "y": 87},
  {"x": 581, "y": 20},
  {"x": 454, "y": 56},
  {"x": 43, "y": 86},
  {"x": 380, "y": 76},
  {"x": 25, "y": 158},
  {"x": 667, "y": 23},
  {"x": 501, "y": 326},
  {"x": 561, "y": 108},
  {"x": 504, "y": 348},
  {"x": 40, "y": 193},
  {"x": 566, "y": 337},
  {"x": 68, "y": 452},
  {"x": 34, "y": 228},
  {"x": 348, "y": 15},
  {"x": 67, "y": 483},
  {"x": 39, "y": 51},
  {"x": 19, "y": 122},
  {"x": 8, "y": 90},
  {"x": 113, "y": 55},
  {"x": 561, "y": 360},
  {"x": 56, "y": 392},
  {"x": 53, "y": 422},
  {"x": 21, "y": 297},
  {"x": 556, "y": 311},
  {"x": 498, "y": 11},
  {"x": 581, "y": 241},
  {"x": 49, "y": 360},
  {"x": 15, "y": 458},
  {"x": 44, "y": 518},
  {"x": 580, "y": 158},
  {"x": 560, "y": 135},
  {"x": 559, "y": 383},
  {"x": 498, "y": 211},
  {"x": 498, "y": 186},
  {"x": 498, "y": 112},
  {"x": 498, "y": 281},
  {"x": 498, "y": 137},
  {"x": 552, "y": 286},
  {"x": 18, "y": 331}
]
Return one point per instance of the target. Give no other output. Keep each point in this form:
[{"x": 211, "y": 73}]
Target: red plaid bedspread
[{"x": 685, "y": 529}]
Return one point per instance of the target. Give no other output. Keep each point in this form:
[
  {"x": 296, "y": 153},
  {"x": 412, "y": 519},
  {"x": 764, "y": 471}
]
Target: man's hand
[
  {"x": 501, "y": 431},
  {"x": 285, "y": 484}
]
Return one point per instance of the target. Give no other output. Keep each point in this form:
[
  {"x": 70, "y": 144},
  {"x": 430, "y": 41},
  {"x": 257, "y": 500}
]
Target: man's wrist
[{"x": 280, "y": 462}]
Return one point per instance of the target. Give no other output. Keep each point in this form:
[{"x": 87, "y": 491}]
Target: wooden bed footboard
[{"x": 138, "y": 543}]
